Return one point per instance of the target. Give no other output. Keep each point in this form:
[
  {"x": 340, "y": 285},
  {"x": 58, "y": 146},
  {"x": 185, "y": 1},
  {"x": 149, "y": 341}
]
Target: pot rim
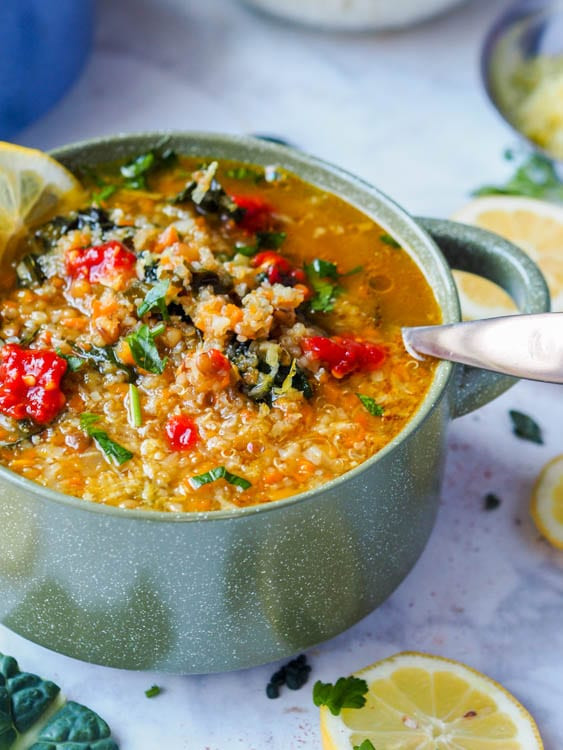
[{"x": 279, "y": 153}]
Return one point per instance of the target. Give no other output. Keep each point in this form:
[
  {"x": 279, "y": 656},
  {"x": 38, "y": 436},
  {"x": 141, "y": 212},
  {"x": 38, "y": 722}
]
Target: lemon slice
[
  {"x": 536, "y": 227},
  {"x": 547, "y": 502},
  {"x": 33, "y": 187},
  {"x": 423, "y": 702}
]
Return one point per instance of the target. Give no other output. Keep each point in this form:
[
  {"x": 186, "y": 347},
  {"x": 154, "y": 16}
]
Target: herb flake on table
[
  {"x": 371, "y": 405},
  {"x": 111, "y": 449},
  {"x": 491, "y": 501},
  {"x": 525, "y": 427},
  {"x": 153, "y": 691},
  {"x": 219, "y": 472},
  {"x": 294, "y": 674},
  {"x": 347, "y": 692},
  {"x": 535, "y": 177}
]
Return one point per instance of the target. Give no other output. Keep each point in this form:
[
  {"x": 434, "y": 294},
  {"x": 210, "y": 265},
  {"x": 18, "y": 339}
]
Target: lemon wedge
[
  {"x": 33, "y": 187},
  {"x": 546, "y": 507},
  {"x": 536, "y": 227},
  {"x": 422, "y": 702}
]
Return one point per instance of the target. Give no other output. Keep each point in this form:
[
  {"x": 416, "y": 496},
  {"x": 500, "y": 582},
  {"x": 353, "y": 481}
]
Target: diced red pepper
[
  {"x": 110, "y": 264},
  {"x": 182, "y": 432},
  {"x": 30, "y": 383},
  {"x": 213, "y": 362},
  {"x": 257, "y": 212},
  {"x": 344, "y": 354},
  {"x": 278, "y": 270}
]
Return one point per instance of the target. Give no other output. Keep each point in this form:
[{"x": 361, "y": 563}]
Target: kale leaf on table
[
  {"x": 29, "y": 696},
  {"x": 75, "y": 727}
]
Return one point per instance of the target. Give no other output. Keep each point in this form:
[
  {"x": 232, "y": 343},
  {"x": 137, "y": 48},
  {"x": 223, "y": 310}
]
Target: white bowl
[{"x": 355, "y": 15}]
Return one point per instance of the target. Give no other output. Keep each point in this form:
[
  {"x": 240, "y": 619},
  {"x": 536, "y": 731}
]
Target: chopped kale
[
  {"x": 294, "y": 674},
  {"x": 208, "y": 197},
  {"x": 269, "y": 240},
  {"x": 347, "y": 692},
  {"x": 100, "y": 356},
  {"x": 150, "y": 272},
  {"x": 525, "y": 427},
  {"x": 491, "y": 501},
  {"x": 221, "y": 282},
  {"x": 25, "y": 696},
  {"x": 29, "y": 271},
  {"x": 175, "y": 308},
  {"x": 246, "y": 173}
]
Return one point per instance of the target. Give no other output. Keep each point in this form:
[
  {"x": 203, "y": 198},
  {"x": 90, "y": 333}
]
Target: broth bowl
[{"x": 228, "y": 589}]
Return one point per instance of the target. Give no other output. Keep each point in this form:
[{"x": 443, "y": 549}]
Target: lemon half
[
  {"x": 536, "y": 227},
  {"x": 422, "y": 702},
  {"x": 547, "y": 502},
  {"x": 33, "y": 187}
]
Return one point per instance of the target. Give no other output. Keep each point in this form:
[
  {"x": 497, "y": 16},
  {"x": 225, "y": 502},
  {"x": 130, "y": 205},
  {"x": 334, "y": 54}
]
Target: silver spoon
[{"x": 526, "y": 346}]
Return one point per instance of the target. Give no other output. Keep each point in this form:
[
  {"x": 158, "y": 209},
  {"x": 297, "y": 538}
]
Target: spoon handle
[{"x": 526, "y": 346}]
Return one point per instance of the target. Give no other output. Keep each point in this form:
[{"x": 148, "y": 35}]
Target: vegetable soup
[{"x": 204, "y": 335}]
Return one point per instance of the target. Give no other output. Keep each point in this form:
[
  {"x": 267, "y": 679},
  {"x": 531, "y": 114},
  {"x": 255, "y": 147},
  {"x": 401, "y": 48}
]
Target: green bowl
[{"x": 208, "y": 592}]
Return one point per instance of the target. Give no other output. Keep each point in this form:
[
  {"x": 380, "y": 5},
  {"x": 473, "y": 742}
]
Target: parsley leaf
[
  {"x": 144, "y": 351},
  {"x": 270, "y": 240},
  {"x": 366, "y": 745},
  {"x": 219, "y": 472},
  {"x": 112, "y": 449},
  {"x": 535, "y": 177},
  {"x": 388, "y": 240},
  {"x": 156, "y": 297},
  {"x": 74, "y": 363},
  {"x": 100, "y": 355},
  {"x": 525, "y": 427},
  {"x": 371, "y": 405},
  {"x": 245, "y": 173},
  {"x": 102, "y": 195},
  {"x": 153, "y": 691},
  {"x": 347, "y": 692},
  {"x": 321, "y": 277}
]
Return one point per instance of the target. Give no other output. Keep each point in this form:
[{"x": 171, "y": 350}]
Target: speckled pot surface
[{"x": 207, "y": 592}]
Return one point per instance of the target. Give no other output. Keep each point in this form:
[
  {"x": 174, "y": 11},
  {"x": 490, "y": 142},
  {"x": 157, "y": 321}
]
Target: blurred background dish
[
  {"x": 354, "y": 15},
  {"x": 522, "y": 68},
  {"x": 43, "y": 47}
]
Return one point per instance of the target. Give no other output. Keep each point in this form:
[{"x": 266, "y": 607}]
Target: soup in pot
[{"x": 205, "y": 335}]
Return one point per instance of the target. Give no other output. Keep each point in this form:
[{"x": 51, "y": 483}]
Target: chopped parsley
[
  {"x": 134, "y": 412},
  {"x": 525, "y": 427},
  {"x": 104, "y": 193},
  {"x": 156, "y": 298},
  {"x": 323, "y": 277},
  {"x": 535, "y": 177},
  {"x": 153, "y": 691},
  {"x": 136, "y": 171},
  {"x": 74, "y": 363},
  {"x": 366, "y": 745},
  {"x": 371, "y": 405},
  {"x": 219, "y": 472},
  {"x": 143, "y": 348},
  {"x": 270, "y": 240},
  {"x": 100, "y": 355},
  {"x": 388, "y": 240},
  {"x": 245, "y": 173},
  {"x": 347, "y": 692},
  {"x": 111, "y": 449}
]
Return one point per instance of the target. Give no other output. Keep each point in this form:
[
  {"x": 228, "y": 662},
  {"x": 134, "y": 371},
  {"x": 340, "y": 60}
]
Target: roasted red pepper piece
[
  {"x": 30, "y": 383},
  {"x": 110, "y": 264},
  {"x": 182, "y": 432},
  {"x": 344, "y": 354},
  {"x": 257, "y": 215},
  {"x": 278, "y": 270}
]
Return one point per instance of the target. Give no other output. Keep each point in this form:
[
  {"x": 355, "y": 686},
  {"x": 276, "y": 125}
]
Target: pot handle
[{"x": 468, "y": 248}]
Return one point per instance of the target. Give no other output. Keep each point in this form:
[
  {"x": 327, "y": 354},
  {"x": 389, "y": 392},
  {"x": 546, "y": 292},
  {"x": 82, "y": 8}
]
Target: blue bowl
[{"x": 43, "y": 46}]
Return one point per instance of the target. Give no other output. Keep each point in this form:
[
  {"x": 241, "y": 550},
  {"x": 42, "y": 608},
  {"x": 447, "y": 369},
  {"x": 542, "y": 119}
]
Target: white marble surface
[{"x": 406, "y": 111}]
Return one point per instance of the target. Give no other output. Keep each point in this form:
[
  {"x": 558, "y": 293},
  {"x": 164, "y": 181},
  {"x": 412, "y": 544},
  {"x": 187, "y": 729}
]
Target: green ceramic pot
[{"x": 207, "y": 592}]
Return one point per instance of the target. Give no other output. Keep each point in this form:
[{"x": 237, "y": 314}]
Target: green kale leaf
[
  {"x": 75, "y": 727},
  {"x": 30, "y": 696},
  {"x": 525, "y": 427}
]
